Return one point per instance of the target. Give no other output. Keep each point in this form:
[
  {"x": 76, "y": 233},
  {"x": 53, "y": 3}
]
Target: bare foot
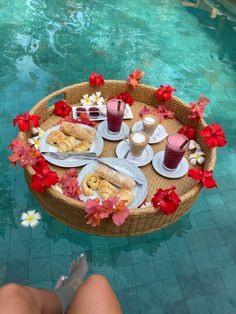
[{"x": 77, "y": 272}]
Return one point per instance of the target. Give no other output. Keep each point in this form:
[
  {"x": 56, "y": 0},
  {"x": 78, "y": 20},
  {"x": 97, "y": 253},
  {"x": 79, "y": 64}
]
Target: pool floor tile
[
  {"x": 124, "y": 278},
  {"x": 39, "y": 270},
  {"x": 222, "y": 303},
  {"x": 228, "y": 274},
  {"x": 177, "y": 308},
  {"x": 197, "y": 305},
  {"x": 201, "y": 283},
  {"x": 183, "y": 264},
  {"x": 144, "y": 272},
  {"x": 203, "y": 260},
  {"x": 164, "y": 268}
]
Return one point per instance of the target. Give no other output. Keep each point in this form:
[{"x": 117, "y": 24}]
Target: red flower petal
[
  {"x": 166, "y": 200},
  {"x": 163, "y": 93},
  {"x": 26, "y": 121},
  {"x": 213, "y": 135},
  {"x": 62, "y": 108},
  {"x": 96, "y": 79},
  {"x": 188, "y": 131},
  {"x": 205, "y": 176}
]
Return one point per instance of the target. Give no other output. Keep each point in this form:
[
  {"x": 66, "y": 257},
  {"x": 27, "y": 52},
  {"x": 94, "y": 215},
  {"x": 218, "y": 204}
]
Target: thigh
[{"x": 95, "y": 296}]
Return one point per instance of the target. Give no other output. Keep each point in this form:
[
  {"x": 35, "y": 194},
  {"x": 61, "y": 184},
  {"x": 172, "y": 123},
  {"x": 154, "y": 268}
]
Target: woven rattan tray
[{"x": 141, "y": 220}]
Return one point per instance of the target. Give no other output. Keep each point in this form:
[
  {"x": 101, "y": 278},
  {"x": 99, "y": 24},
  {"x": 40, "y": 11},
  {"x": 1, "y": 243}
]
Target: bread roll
[
  {"x": 78, "y": 131},
  {"x": 115, "y": 177},
  {"x": 55, "y": 138},
  {"x": 83, "y": 146},
  {"x": 67, "y": 145},
  {"x": 106, "y": 189},
  {"x": 125, "y": 195}
]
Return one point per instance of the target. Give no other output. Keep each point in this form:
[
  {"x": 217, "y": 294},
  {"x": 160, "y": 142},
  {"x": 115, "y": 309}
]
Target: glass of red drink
[
  {"x": 176, "y": 146},
  {"x": 115, "y": 113}
]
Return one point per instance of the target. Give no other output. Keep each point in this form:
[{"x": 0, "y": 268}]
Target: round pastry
[
  {"x": 55, "y": 138},
  {"x": 83, "y": 146},
  {"x": 90, "y": 183},
  {"x": 106, "y": 189},
  {"x": 67, "y": 145}
]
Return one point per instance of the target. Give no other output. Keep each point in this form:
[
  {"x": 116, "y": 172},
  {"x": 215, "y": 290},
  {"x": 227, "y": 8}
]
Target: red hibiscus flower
[
  {"x": 205, "y": 176},
  {"x": 69, "y": 184},
  {"x": 95, "y": 212},
  {"x": 84, "y": 119},
  {"x": 120, "y": 213},
  {"x": 26, "y": 121},
  {"x": 134, "y": 78},
  {"x": 62, "y": 108},
  {"x": 213, "y": 135},
  {"x": 188, "y": 131},
  {"x": 125, "y": 97},
  {"x": 43, "y": 180},
  {"x": 22, "y": 153},
  {"x": 197, "y": 108},
  {"x": 163, "y": 93},
  {"x": 40, "y": 165},
  {"x": 96, "y": 79},
  {"x": 164, "y": 113},
  {"x": 166, "y": 200}
]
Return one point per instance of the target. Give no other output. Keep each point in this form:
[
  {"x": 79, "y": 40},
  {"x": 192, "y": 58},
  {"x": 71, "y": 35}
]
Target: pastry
[
  {"x": 106, "y": 189},
  {"x": 55, "y": 138},
  {"x": 115, "y": 177},
  {"x": 90, "y": 183},
  {"x": 67, "y": 145},
  {"x": 78, "y": 131},
  {"x": 125, "y": 195},
  {"x": 83, "y": 146}
]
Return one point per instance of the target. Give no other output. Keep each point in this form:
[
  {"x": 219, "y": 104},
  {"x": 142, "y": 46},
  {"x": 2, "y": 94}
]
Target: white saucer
[
  {"x": 103, "y": 131},
  {"x": 158, "y": 136},
  {"x": 146, "y": 157},
  {"x": 157, "y": 164}
]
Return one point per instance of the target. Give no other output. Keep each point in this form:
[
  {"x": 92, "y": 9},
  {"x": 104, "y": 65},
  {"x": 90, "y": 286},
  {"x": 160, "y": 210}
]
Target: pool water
[{"x": 189, "y": 267}]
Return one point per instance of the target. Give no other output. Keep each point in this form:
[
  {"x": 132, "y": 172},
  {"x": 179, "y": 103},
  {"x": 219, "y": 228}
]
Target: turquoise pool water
[{"x": 189, "y": 267}]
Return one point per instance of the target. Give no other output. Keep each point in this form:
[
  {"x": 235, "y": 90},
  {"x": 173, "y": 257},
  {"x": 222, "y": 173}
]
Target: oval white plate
[
  {"x": 96, "y": 146},
  {"x": 147, "y": 155},
  {"x": 158, "y": 136},
  {"x": 157, "y": 164},
  {"x": 103, "y": 131},
  {"x": 126, "y": 167}
]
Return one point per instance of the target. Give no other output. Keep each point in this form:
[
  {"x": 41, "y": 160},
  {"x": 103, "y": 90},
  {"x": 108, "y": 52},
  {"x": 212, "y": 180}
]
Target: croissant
[
  {"x": 78, "y": 131},
  {"x": 125, "y": 195},
  {"x": 55, "y": 138},
  {"x": 83, "y": 146},
  {"x": 106, "y": 189},
  {"x": 67, "y": 145},
  {"x": 90, "y": 183}
]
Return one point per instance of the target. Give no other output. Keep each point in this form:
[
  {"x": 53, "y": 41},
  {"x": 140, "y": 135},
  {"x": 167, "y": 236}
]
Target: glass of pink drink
[
  {"x": 176, "y": 146},
  {"x": 115, "y": 113}
]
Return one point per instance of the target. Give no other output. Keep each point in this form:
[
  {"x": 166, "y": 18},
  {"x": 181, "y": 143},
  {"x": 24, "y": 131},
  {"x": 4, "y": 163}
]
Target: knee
[
  {"x": 97, "y": 280},
  {"x": 11, "y": 290}
]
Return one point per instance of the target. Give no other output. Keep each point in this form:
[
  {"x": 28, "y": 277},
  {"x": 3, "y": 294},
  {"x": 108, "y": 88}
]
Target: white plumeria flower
[
  {"x": 97, "y": 99},
  {"x": 197, "y": 158},
  {"x": 86, "y": 101},
  {"x": 193, "y": 145},
  {"x": 34, "y": 141},
  {"x": 30, "y": 218},
  {"x": 37, "y": 132},
  {"x": 57, "y": 188}
]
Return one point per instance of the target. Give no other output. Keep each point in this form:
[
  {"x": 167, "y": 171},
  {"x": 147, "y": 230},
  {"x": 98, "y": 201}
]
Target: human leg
[
  {"x": 19, "y": 299},
  {"x": 95, "y": 295}
]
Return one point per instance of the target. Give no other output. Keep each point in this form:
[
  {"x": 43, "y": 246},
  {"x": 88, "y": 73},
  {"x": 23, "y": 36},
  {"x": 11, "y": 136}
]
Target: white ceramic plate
[
  {"x": 147, "y": 155},
  {"x": 103, "y": 131},
  {"x": 96, "y": 146},
  {"x": 126, "y": 167},
  {"x": 181, "y": 170},
  {"x": 158, "y": 136}
]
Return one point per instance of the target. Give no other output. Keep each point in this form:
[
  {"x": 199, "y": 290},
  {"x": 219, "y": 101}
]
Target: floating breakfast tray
[{"x": 141, "y": 220}]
